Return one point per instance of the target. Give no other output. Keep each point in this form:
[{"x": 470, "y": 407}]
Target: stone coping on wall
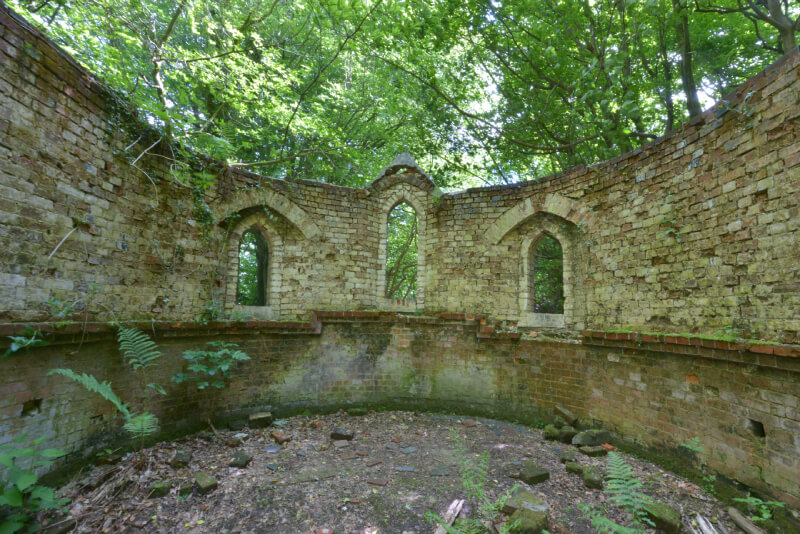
[
  {"x": 87, "y": 332},
  {"x": 745, "y": 351},
  {"x": 778, "y": 355}
]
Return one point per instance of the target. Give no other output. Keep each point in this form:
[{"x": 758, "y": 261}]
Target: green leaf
[
  {"x": 11, "y": 497},
  {"x": 51, "y": 453},
  {"x": 158, "y": 388},
  {"x": 11, "y": 525},
  {"x": 22, "y": 479},
  {"x": 42, "y": 493}
]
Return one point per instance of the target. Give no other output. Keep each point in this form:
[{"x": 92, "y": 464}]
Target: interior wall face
[
  {"x": 694, "y": 233},
  {"x": 652, "y": 395}
]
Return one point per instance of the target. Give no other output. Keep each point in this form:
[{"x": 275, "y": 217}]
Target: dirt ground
[{"x": 397, "y": 466}]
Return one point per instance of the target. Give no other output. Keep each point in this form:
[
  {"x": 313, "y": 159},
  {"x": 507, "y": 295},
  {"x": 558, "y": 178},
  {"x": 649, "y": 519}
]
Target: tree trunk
[
  {"x": 784, "y": 24},
  {"x": 788, "y": 39},
  {"x": 668, "y": 102},
  {"x": 687, "y": 74}
]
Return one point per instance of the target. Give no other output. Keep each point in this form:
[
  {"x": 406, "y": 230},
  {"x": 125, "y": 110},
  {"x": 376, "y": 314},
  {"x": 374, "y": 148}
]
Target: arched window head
[
  {"x": 253, "y": 270},
  {"x": 547, "y": 276},
  {"x": 401, "y": 253}
]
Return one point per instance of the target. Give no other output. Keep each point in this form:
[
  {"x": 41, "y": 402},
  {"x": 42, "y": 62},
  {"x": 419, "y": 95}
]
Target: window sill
[
  {"x": 264, "y": 313},
  {"x": 546, "y": 320}
]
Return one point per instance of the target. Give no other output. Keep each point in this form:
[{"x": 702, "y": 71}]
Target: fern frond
[
  {"x": 137, "y": 348},
  {"x": 604, "y": 525},
  {"x": 623, "y": 488},
  {"x": 92, "y": 384},
  {"x": 142, "y": 425}
]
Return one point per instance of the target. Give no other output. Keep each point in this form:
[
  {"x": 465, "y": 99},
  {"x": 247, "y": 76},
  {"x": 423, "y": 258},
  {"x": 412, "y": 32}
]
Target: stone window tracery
[{"x": 551, "y": 291}]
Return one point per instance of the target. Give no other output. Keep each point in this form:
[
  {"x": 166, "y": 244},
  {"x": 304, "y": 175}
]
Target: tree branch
[{"x": 286, "y": 159}]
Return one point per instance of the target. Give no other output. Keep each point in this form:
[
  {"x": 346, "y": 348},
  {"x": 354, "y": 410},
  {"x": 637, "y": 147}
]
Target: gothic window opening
[
  {"x": 253, "y": 270},
  {"x": 547, "y": 276},
  {"x": 402, "y": 242}
]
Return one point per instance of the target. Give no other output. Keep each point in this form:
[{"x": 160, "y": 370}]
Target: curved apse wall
[{"x": 79, "y": 225}]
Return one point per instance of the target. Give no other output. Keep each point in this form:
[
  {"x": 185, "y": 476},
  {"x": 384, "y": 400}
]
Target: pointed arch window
[
  {"x": 251, "y": 289},
  {"x": 402, "y": 242},
  {"x": 547, "y": 276}
]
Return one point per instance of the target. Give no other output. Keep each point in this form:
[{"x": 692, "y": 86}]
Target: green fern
[
  {"x": 137, "y": 348},
  {"x": 142, "y": 425},
  {"x": 138, "y": 425},
  {"x": 622, "y": 488},
  {"x": 92, "y": 384},
  {"x": 604, "y": 525},
  {"x": 474, "y": 470}
]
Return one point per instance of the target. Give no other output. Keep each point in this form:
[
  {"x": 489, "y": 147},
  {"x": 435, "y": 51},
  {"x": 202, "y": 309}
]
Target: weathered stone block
[
  {"x": 240, "y": 459},
  {"x": 181, "y": 458},
  {"x": 592, "y": 477},
  {"x": 594, "y": 451},
  {"x": 260, "y": 420},
  {"x": 342, "y": 434},
  {"x": 566, "y": 455},
  {"x": 204, "y": 483},
  {"x": 530, "y": 522},
  {"x": 574, "y": 467},
  {"x": 666, "y": 518},
  {"x": 592, "y": 437},
  {"x": 566, "y": 433},
  {"x": 570, "y": 417},
  {"x": 159, "y": 489},
  {"x": 551, "y": 433},
  {"x": 530, "y": 473},
  {"x": 524, "y": 500}
]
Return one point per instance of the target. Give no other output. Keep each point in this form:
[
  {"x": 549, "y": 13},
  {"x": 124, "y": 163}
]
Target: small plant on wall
[
  {"x": 28, "y": 339},
  {"x": 141, "y": 353},
  {"x": 211, "y": 368}
]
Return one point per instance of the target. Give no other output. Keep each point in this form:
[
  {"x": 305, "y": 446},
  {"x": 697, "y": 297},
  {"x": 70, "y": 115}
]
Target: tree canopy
[{"x": 479, "y": 91}]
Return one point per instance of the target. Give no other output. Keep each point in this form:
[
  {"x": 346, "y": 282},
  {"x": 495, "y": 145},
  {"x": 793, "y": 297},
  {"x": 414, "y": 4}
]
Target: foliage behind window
[
  {"x": 401, "y": 253},
  {"x": 253, "y": 265},
  {"x": 547, "y": 266}
]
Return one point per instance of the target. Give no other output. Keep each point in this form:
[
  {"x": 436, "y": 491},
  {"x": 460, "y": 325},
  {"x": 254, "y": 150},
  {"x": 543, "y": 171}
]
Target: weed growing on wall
[
  {"x": 141, "y": 353},
  {"x": 20, "y": 495},
  {"x": 211, "y": 313},
  {"x": 211, "y": 368},
  {"x": 30, "y": 338},
  {"x": 138, "y": 425}
]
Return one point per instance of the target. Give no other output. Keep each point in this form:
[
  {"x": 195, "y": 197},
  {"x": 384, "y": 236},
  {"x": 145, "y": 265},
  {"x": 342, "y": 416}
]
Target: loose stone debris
[{"x": 377, "y": 473}]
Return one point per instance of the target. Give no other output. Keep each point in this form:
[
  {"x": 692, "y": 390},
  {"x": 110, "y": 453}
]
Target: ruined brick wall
[
  {"x": 657, "y": 392},
  {"x": 696, "y": 233},
  {"x": 124, "y": 245}
]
